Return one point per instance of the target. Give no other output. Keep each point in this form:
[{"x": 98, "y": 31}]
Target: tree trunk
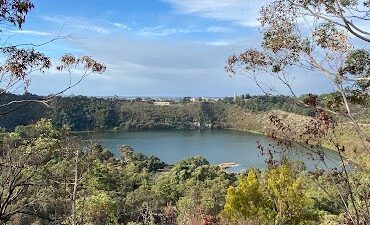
[{"x": 74, "y": 193}]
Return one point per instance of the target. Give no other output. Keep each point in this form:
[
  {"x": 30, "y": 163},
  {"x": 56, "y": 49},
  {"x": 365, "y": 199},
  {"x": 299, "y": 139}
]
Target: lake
[{"x": 217, "y": 146}]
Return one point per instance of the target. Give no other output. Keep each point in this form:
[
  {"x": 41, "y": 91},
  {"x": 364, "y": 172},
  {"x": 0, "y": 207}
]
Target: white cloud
[
  {"x": 217, "y": 43},
  {"x": 30, "y": 32},
  {"x": 217, "y": 29},
  {"x": 121, "y": 25},
  {"x": 76, "y": 23},
  {"x": 165, "y": 68},
  {"x": 162, "y": 30},
  {"x": 243, "y": 12},
  {"x": 165, "y": 31}
]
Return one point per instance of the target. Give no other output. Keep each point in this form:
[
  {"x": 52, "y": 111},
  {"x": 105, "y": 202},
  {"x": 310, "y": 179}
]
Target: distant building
[{"x": 162, "y": 103}]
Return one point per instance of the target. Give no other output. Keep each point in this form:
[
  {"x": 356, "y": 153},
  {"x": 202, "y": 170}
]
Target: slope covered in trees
[
  {"x": 48, "y": 176},
  {"x": 64, "y": 180},
  {"x": 82, "y": 113}
]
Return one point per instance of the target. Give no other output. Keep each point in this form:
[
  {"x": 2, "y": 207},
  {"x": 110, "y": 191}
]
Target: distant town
[{"x": 164, "y": 100}]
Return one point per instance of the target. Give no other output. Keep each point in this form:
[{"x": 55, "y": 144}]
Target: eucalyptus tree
[
  {"x": 22, "y": 59},
  {"x": 22, "y": 158},
  {"x": 325, "y": 37}
]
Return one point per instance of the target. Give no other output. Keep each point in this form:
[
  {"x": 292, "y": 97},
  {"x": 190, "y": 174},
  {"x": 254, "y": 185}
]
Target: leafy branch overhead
[
  {"x": 323, "y": 37},
  {"x": 23, "y": 59},
  {"x": 14, "y": 12},
  {"x": 310, "y": 35},
  {"x": 318, "y": 37}
]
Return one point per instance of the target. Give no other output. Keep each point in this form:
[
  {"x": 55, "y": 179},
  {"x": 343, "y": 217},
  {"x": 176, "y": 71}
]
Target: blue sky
[{"x": 150, "y": 47}]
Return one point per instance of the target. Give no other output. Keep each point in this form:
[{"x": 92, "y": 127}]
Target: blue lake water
[{"x": 217, "y": 146}]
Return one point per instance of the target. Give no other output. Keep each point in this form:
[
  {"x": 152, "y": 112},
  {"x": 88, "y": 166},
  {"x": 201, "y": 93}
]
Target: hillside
[{"x": 82, "y": 113}]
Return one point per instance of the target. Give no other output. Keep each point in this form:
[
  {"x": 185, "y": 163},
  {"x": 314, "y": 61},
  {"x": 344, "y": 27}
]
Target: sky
[{"x": 150, "y": 47}]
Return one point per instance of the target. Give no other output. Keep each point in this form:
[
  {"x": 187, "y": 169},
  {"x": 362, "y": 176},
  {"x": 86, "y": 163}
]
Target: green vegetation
[
  {"x": 48, "y": 176},
  {"x": 265, "y": 103},
  {"x": 82, "y": 113},
  {"x": 54, "y": 178},
  {"x": 90, "y": 113},
  {"x": 275, "y": 196}
]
